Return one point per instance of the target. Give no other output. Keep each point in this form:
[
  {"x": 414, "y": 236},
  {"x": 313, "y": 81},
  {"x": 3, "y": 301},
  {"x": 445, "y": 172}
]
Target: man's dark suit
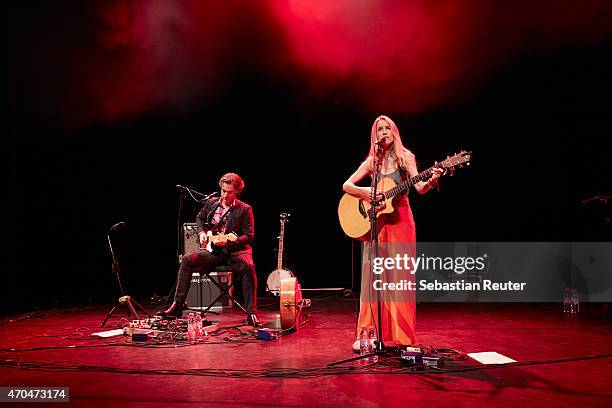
[{"x": 238, "y": 255}]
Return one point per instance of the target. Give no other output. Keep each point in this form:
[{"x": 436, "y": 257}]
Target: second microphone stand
[{"x": 125, "y": 300}]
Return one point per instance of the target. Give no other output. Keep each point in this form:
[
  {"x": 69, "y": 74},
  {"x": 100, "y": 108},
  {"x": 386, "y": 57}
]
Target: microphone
[
  {"x": 214, "y": 193},
  {"x": 379, "y": 145},
  {"x": 116, "y": 226}
]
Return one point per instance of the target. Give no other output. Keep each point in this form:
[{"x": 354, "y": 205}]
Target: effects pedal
[
  {"x": 266, "y": 334},
  {"x": 433, "y": 360},
  {"x": 411, "y": 357}
]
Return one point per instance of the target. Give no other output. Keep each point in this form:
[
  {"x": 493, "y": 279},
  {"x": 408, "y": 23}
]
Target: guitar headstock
[
  {"x": 458, "y": 160},
  {"x": 284, "y": 217}
]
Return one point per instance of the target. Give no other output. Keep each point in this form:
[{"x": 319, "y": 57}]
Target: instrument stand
[
  {"x": 124, "y": 300},
  {"x": 380, "y": 347},
  {"x": 604, "y": 201}
]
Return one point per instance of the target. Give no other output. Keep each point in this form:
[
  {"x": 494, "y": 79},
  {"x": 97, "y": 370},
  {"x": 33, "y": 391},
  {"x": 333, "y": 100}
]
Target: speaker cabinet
[
  {"x": 209, "y": 291},
  {"x": 190, "y": 238}
]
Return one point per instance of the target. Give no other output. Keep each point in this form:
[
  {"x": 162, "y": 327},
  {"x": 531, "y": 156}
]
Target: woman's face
[{"x": 383, "y": 132}]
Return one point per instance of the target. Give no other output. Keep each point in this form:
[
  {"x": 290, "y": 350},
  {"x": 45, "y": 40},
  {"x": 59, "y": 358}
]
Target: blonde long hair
[{"x": 403, "y": 156}]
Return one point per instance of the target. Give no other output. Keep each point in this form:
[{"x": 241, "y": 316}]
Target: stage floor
[{"x": 562, "y": 360}]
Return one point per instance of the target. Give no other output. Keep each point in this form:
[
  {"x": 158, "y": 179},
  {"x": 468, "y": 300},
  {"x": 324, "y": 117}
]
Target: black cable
[{"x": 385, "y": 367}]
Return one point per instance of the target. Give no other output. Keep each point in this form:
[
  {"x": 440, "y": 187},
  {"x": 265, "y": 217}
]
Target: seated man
[{"x": 223, "y": 215}]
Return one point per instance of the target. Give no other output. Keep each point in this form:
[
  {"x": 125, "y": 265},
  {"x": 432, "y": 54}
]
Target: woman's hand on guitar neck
[{"x": 436, "y": 173}]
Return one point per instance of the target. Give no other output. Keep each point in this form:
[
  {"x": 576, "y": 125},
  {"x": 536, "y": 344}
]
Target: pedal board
[{"x": 145, "y": 329}]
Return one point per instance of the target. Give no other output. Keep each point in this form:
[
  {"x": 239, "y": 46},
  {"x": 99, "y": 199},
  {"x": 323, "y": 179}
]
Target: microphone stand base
[{"x": 131, "y": 306}]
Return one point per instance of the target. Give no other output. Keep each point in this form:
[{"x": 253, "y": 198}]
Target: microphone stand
[
  {"x": 179, "y": 238},
  {"x": 124, "y": 300},
  {"x": 380, "y": 347},
  {"x": 179, "y": 228}
]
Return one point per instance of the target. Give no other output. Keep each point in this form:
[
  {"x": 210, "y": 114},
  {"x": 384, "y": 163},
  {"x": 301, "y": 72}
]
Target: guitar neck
[
  {"x": 279, "y": 264},
  {"x": 400, "y": 188},
  {"x": 217, "y": 238}
]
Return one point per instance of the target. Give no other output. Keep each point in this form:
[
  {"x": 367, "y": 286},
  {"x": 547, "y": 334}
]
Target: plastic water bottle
[
  {"x": 574, "y": 302},
  {"x": 372, "y": 338},
  {"x": 371, "y": 345},
  {"x": 191, "y": 334},
  {"x": 199, "y": 335},
  {"x": 363, "y": 342},
  {"x": 567, "y": 302}
]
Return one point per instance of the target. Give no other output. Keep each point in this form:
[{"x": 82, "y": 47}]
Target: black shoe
[
  {"x": 252, "y": 320},
  {"x": 173, "y": 311}
]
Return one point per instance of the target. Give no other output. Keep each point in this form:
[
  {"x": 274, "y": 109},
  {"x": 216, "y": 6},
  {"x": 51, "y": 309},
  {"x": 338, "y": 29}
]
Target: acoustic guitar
[
  {"x": 356, "y": 214},
  {"x": 290, "y": 304}
]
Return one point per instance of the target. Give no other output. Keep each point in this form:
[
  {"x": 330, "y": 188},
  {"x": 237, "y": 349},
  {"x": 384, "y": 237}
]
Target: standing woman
[{"x": 398, "y": 309}]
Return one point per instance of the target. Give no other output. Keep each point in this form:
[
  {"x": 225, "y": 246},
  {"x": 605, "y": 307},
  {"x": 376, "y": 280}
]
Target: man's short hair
[{"x": 233, "y": 179}]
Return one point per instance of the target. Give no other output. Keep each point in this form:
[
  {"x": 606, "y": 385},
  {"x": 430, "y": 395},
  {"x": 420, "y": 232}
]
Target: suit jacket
[{"x": 239, "y": 221}]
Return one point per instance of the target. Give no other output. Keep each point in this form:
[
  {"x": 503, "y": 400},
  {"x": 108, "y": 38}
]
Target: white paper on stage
[
  {"x": 491, "y": 357},
  {"x": 109, "y": 333}
]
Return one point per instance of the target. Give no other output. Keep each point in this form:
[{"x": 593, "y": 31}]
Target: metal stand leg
[
  {"x": 131, "y": 306},
  {"x": 224, "y": 291}
]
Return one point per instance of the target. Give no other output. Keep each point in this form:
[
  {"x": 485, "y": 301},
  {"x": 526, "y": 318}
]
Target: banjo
[{"x": 273, "y": 284}]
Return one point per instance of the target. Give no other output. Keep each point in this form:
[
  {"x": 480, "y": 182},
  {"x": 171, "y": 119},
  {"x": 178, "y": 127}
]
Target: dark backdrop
[{"x": 539, "y": 126}]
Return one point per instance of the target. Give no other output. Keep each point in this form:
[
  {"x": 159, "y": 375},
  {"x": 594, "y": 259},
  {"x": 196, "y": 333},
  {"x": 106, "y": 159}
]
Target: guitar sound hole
[{"x": 362, "y": 210}]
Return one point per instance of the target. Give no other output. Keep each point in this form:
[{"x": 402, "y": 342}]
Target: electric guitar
[
  {"x": 211, "y": 239},
  {"x": 355, "y": 214}
]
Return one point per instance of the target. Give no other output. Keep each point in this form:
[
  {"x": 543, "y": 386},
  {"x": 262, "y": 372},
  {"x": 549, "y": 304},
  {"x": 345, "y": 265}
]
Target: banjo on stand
[
  {"x": 282, "y": 282},
  {"x": 273, "y": 284}
]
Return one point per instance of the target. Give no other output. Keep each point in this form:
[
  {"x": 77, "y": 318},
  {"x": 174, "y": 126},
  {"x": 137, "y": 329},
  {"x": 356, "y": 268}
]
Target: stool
[{"x": 223, "y": 291}]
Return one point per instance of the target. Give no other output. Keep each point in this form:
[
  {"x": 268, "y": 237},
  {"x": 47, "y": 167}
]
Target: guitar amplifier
[
  {"x": 209, "y": 291},
  {"x": 191, "y": 241}
]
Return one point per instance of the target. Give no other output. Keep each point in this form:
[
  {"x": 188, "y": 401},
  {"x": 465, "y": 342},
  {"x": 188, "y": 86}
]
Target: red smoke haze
[{"x": 116, "y": 59}]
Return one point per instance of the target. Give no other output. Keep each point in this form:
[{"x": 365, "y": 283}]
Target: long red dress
[{"x": 398, "y": 307}]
